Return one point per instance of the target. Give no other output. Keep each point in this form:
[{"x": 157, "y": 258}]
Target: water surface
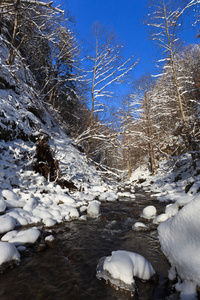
[{"x": 68, "y": 271}]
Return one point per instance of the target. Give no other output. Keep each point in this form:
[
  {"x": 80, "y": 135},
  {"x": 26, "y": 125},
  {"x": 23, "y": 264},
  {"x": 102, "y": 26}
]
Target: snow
[
  {"x": 180, "y": 242},
  {"x": 27, "y": 198},
  {"x": 7, "y": 223},
  {"x": 49, "y": 222},
  {"x": 122, "y": 266},
  {"x": 177, "y": 183},
  {"x": 139, "y": 226},
  {"x": 8, "y": 252},
  {"x": 24, "y": 237},
  {"x": 2, "y": 206},
  {"x": 49, "y": 238},
  {"x": 93, "y": 209},
  {"x": 108, "y": 196},
  {"x": 149, "y": 212}
]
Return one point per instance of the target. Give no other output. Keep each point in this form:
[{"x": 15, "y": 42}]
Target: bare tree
[
  {"x": 165, "y": 20},
  {"x": 106, "y": 68},
  {"x": 17, "y": 11}
]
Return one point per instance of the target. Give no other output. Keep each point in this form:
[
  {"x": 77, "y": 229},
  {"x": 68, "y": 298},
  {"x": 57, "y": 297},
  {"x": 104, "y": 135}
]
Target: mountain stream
[{"x": 67, "y": 271}]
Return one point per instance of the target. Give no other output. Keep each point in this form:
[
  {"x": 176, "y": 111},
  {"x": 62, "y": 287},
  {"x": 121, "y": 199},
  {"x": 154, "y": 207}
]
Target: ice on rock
[
  {"x": 21, "y": 248},
  {"x": 93, "y": 209},
  {"x": 7, "y": 223},
  {"x": 149, "y": 212},
  {"x": 122, "y": 266},
  {"x": 8, "y": 252}
]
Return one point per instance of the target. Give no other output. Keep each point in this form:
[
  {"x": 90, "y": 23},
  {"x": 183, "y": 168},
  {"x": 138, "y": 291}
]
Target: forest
[
  {"x": 159, "y": 116},
  {"x": 99, "y": 169}
]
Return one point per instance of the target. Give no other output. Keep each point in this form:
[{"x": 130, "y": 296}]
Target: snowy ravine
[
  {"x": 26, "y": 197},
  {"x": 178, "y": 183}
]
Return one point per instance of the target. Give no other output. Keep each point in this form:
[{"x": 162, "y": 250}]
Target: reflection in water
[{"x": 69, "y": 270}]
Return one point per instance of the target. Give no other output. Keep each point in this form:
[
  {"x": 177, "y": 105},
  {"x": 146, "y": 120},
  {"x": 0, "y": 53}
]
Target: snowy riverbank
[{"x": 176, "y": 181}]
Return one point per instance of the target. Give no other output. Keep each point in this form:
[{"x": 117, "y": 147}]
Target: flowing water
[{"x": 68, "y": 271}]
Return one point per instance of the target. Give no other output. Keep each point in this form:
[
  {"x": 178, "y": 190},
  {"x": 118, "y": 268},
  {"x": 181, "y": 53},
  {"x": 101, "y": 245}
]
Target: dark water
[{"x": 68, "y": 271}]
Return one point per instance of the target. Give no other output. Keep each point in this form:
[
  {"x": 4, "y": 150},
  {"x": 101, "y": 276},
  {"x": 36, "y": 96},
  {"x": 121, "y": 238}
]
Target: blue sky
[{"x": 126, "y": 18}]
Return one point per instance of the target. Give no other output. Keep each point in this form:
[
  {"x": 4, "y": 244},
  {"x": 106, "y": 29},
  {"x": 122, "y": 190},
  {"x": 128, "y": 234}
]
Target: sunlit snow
[{"x": 122, "y": 266}]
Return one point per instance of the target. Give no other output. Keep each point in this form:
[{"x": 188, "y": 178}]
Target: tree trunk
[{"x": 11, "y": 55}]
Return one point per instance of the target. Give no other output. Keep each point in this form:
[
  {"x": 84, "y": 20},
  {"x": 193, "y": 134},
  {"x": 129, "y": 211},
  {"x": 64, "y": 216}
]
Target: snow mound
[
  {"x": 7, "y": 223},
  {"x": 24, "y": 237},
  {"x": 8, "y": 252},
  {"x": 149, "y": 212},
  {"x": 2, "y": 206},
  {"x": 180, "y": 242},
  {"x": 93, "y": 209},
  {"x": 160, "y": 218},
  {"x": 122, "y": 266},
  {"x": 139, "y": 226},
  {"x": 108, "y": 196}
]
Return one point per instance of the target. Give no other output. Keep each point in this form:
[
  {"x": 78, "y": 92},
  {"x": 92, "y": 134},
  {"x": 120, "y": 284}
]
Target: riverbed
[{"x": 68, "y": 269}]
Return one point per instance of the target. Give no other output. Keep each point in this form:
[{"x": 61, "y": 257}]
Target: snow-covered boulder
[
  {"x": 149, "y": 212},
  {"x": 93, "y": 209},
  {"x": 25, "y": 237},
  {"x": 2, "y": 205},
  {"x": 49, "y": 222},
  {"x": 108, "y": 196},
  {"x": 171, "y": 209},
  {"x": 7, "y": 223},
  {"x": 9, "y": 235},
  {"x": 30, "y": 204},
  {"x": 122, "y": 266},
  {"x": 139, "y": 226},
  {"x": 64, "y": 199},
  {"x": 160, "y": 218},
  {"x": 180, "y": 242},
  {"x": 8, "y": 252}
]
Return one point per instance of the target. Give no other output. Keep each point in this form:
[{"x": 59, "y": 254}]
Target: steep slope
[{"x": 33, "y": 139}]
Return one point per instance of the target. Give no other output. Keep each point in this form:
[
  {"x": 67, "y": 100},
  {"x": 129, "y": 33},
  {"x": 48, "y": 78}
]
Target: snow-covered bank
[
  {"x": 177, "y": 182},
  {"x": 27, "y": 197}
]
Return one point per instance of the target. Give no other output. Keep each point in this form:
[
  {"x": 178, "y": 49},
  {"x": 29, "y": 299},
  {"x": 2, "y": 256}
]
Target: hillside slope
[{"x": 44, "y": 179}]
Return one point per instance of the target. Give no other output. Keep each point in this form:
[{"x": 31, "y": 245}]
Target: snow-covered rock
[
  {"x": 49, "y": 222},
  {"x": 2, "y": 205},
  {"x": 25, "y": 237},
  {"x": 180, "y": 242},
  {"x": 139, "y": 226},
  {"x": 108, "y": 196},
  {"x": 160, "y": 218},
  {"x": 8, "y": 252},
  {"x": 93, "y": 209},
  {"x": 49, "y": 238},
  {"x": 149, "y": 212},
  {"x": 122, "y": 266},
  {"x": 7, "y": 223}
]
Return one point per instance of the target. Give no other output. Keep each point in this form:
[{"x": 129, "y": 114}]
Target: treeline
[{"x": 158, "y": 118}]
